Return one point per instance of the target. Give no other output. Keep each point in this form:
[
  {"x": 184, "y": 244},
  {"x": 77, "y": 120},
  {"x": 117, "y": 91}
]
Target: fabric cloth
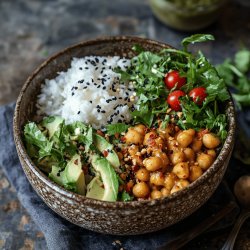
[{"x": 61, "y": 234}]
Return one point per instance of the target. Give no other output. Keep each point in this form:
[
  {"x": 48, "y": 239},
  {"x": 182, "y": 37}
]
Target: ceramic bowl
[{"x": 118, "y": 218}]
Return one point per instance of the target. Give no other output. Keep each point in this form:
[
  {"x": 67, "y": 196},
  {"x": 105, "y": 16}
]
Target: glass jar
[{"x": 187, "y": 15}]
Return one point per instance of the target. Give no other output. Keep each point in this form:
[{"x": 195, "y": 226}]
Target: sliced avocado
[
  {"x": 108, "y": 176},
  {"x": 103, "y": 145},
  {"x": 58, "y": 176},
  {"x": 53, "y": 124},
  {"x": 95, "y": 189},
  {"x": 75, "y": 175}
]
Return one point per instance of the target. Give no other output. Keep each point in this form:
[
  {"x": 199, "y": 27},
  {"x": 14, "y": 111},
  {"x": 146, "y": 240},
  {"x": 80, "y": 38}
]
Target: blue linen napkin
[{"x": 61, "y": 234}]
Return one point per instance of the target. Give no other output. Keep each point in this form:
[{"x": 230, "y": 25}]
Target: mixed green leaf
[
  {"x": 236, "y": 75},
  {"x": 147, "y": 72}
]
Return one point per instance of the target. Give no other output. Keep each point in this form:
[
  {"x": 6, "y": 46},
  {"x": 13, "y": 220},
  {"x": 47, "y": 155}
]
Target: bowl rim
[{"x": 17, "y": 131}]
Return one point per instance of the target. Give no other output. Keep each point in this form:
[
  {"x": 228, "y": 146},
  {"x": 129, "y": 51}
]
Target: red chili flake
[
  {"x": 85, "y": 169},
  {"x": 99, "y": 132},
  {"x": 105, "y": 153},
  {"x": 202, "y": 132},
  {"x": 152, "y": 136},
  {"x": 135, "y": 168},
  {"x": 123, "y": 139},
  {"x": 129, "y": 186},
  {"x": 116, "y": 135},
  {"x": 76, "y": 162}
]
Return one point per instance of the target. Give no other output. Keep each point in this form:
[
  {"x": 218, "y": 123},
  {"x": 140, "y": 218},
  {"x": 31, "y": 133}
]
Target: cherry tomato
[
  {"x": 173, "y": 99},
  {"x": 198, "y": 95},
  {"x": 172, "y": 78}
]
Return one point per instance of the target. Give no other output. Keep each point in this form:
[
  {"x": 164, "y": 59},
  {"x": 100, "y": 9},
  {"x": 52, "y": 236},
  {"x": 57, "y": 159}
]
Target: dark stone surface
[{"x": 31, "y": 30}]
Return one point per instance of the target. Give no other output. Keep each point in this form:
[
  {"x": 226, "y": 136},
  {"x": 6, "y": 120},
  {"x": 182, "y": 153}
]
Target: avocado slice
[
  {"x": 58, "y": 176},
  {"x": 95, "y": 189},
  {"x": 52, "y": 124},
  {"x": 103, "y": 145},
  {"x": 108, "y": 176},
  {"x": 75, "y": 175}
]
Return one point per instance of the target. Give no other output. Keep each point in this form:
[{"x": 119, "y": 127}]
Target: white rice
[{"x": 89, "y": 91}]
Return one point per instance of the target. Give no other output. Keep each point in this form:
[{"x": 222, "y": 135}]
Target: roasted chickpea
[
  {"x": 152, "y": 163},
  {"x": 163, "y": 156},
  {"x": 133, "y": 149},
  {"x": 190, "y": 131},
  {"x": 169, "y": 181},
  {"x": 205, "y": 160},
  {"x": 181, "y": 170},
  {"x": 165, "y": 192},
  {"x": 189, "y": 154},
  {"x": 184, "y": 138},
  {"x": 211, "y": 152},
  {"x": 156, "y": 194},
  {"x": 141, "y": 190},
  {"x": 142, "y": 174},
  {"x": 159, "y": 142},
  {"x": 196, "y": 145},
  {"x": 172, "y": 144},
  {"x": 140, "y": 128},
  {"x": 149, "y": 138},
  {"x": 210, "y": 140},
  {"x": 177, "y": 157},
  {"x": 157, "y": 178},
  {"x": 133, "y": 137},
  {"x": 195, "y": 172},
  {"x": 180, "y": 184}
]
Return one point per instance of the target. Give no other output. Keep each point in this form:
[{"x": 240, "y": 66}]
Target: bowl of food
[
  {"x": 187, "y": 15},
  {"x": 125, "y": 135}
]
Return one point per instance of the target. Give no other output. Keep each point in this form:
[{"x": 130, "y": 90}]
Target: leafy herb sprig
[
  {"x": 147, "y": 72},
  {"x": 236, "y": 74}
]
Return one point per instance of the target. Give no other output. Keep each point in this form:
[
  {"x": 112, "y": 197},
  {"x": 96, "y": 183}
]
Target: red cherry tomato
[
  {"x": 173, "y": 100},
  {"x": 198, "y": 95},
  {"x": 172, "y": 78}
]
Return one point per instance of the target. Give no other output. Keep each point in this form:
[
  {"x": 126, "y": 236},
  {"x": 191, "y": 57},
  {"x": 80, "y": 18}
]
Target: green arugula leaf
[
  {"x": 197, "y": 38},
  {"x": 112, "y": 129},
  {"x": 242, "y": 60},
  {"x": 126, "y": 197}
]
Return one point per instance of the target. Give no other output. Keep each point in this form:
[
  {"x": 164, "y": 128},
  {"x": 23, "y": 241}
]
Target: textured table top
[{"x": 31, "y": 30}]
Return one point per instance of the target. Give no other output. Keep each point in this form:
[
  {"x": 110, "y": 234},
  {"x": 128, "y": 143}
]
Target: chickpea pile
[{"x": 159, "y": 162}]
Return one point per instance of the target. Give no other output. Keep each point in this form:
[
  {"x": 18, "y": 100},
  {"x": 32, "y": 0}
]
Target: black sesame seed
[
  {"x": 78, "y": 112},
  {"x": 122, "y": 116},
  {"x": 76, "y": 87},
  {"x": 103, "y": 111},
  {"x": 90, "y": 101},
  {"x": 88, "y": 83},
  {"x": 80, "y": 68},
  {"x": 104, "y": 87},
  {"x": 98, "y": 86},
  {"x": 98, "y": 110},
  {"x": 96, "y": 68},
  {"x": 97, "y": 60},
  {"x": 119, "y": 120},
  {"x": 120, "y": 98},
  {"x": 86, "y": 67},
  {"x": 72, "y": 93}
]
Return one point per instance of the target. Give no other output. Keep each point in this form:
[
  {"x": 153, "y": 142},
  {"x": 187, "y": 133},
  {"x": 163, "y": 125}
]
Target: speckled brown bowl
[{"x": 118, "y": 218}]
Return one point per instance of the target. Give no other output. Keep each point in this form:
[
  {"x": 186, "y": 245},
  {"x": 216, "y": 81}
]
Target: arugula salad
[{"x": 177, "y": 128}]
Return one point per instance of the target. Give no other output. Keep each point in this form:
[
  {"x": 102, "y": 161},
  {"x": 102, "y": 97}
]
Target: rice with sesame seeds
[{"x": 76, "y": 95}]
